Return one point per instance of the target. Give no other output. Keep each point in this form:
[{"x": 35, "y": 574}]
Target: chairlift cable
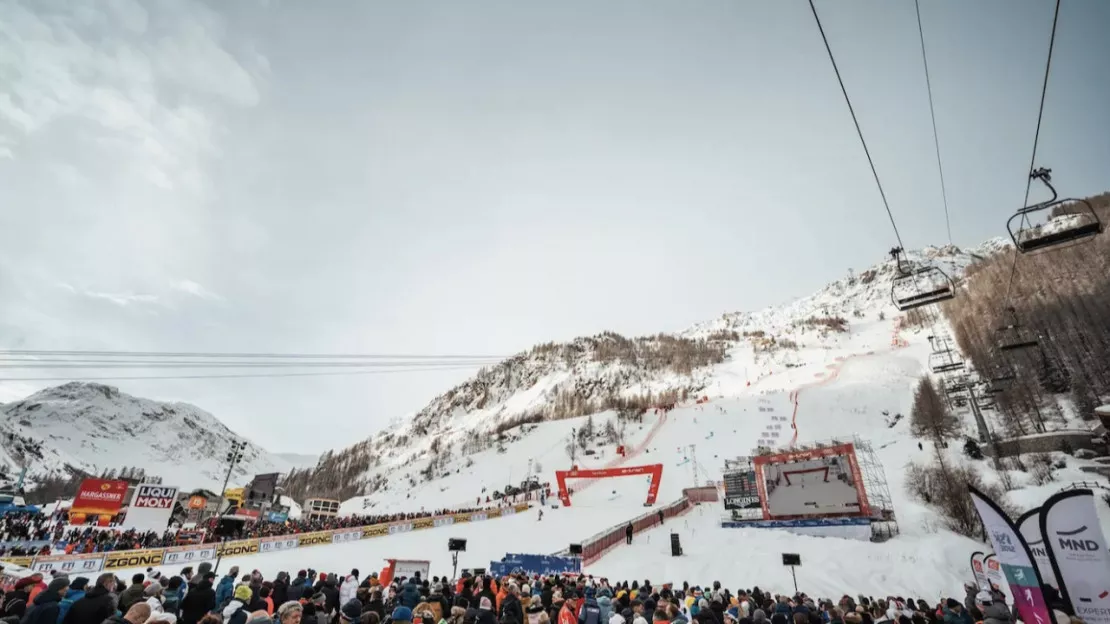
[
  {"x": 194, "y": 354},
  {"x": 933, "y": 115},
  {"x": 1036, "y": 140},
  {"x": 238, "y": 376},
  {"x": 855, "y": 120}
]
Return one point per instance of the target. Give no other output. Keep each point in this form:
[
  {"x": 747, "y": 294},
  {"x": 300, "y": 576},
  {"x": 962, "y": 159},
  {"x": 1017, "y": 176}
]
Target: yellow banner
[
  {"x": 375, "y": 530},
  {"x": 133, "y": 558},
  {"x": 236, "y": 548},
  {"x": 462, "y": 517},
  {"x": 521, "y": 507},
  {"x": 314, "y": 539},
  {"x": 422, "y": 523},
  {"x": 493, "y": 513},
  {"x": 23, "y": 562}
]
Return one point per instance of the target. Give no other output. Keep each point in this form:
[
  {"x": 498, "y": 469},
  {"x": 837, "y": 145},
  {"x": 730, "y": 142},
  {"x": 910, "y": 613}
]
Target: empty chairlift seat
[
  {"x": 1014, "y": 336},
  {"x": 1054, "y": 223},
  {"x": 945, "y": 362},
  {"x": 916, "y": 287}
]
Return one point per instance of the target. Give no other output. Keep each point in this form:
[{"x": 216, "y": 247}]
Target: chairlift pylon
[
  {"x": 1015, "y": 337},
  {"x": 1076, "y": 226},
  {"x": 917, "y": 287}
]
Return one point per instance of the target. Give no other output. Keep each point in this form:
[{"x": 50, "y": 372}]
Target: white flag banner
[
  {"x": 1077, "y": 550},
  {"x": 979, "y": 570},
  {"x": 1015, "y": 560},
  {"x": 994, "y": 573},
  {"x": 150, "y": 508},
  {"x": 1029, "y": 525}
]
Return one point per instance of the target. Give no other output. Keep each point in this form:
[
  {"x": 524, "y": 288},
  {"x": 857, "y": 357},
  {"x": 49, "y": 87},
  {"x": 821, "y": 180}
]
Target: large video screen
[{"x": 812, "y": 483}]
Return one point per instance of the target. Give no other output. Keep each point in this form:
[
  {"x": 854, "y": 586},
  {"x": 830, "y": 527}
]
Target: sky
[{"x": 476, "y": 177}]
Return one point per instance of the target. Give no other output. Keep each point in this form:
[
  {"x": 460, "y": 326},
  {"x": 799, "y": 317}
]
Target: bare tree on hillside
[{"x": 930, "y": 416}]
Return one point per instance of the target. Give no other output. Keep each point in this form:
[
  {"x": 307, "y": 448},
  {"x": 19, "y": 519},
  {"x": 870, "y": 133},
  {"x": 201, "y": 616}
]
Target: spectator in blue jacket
[{"x": 226, "y": 587}]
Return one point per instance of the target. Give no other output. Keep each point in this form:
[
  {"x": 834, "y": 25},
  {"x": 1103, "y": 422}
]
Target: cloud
[
  {"x": 120, "y": 299},
  {"x": 192, "y": 288}
]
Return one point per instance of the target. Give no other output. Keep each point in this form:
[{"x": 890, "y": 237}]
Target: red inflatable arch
[{"x": 655, "y": 470}]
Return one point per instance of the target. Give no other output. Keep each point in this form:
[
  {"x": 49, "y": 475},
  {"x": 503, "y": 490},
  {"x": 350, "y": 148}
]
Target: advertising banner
[
  {"x": 400, "y": 527},
  {"x": 1029, "y": 525},
  {"x": 314, "y": 539},
  {"x": 994, "y": 572},
  {"x": 536, "y": 564},
  {"x": 133, "y": 558},
  {"x": 492, "y": 513},
  {"x": 444, "y": 521},
  {"x": 463, "y": 517},
  {"x": 281, "y": 542},
  {"x": 1077, "y": 551},
  {"x": 521, "y": 507},
  {"x": 279, "y": 517},
  {"x": 423, "y": 523},
  {"x": 1016, "y": 561},
  {"x": 23, "y": 562},
  {"x": 344, "y": 536},
  {"x": 197, "y": 502},
  {"x": 237, "y": 548},
  {"x": 150, "y": 507},
  {"x": 979, "y": 570},
  {"x": 477, "y": 517},
  {"x": 184, "y": 555},
  {"x": 375, "y": 530},
  {"x": 72, "y": 565},
  {"x": 99, "y": 496}
]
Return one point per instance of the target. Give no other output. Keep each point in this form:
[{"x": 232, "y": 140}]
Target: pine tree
[{"x": 930, "y": 417}]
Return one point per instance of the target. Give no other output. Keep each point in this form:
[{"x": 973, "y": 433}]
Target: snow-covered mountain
[
  {"x": 610, "y": 372},
  {"x": 95, "y": 428}
]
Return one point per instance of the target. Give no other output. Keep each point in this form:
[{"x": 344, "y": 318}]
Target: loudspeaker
[
  {"x": 478, "y": 571},
  {"x": 676, "y": 546},
  {"x": 791, "y": 559},
  {"x": 576, "y": 549},
  {"x": 456, "y": 544}
]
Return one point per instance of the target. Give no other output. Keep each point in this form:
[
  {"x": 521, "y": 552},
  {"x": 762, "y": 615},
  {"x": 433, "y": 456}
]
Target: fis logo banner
[
  {"x": 188, "y": 554},
  {"x": 274, "y": 544},
  {"x": 69, "y": 564},
  {"x": 342, "y": 537},
  {"x": 133, "y": 559}
]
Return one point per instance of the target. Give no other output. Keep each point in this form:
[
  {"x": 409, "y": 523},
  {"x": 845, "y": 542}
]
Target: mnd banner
[
  {"x": 1029, "y": 525},
  {"x": 1016, "y": 561},
  {"x": 1077, "y": 550}
]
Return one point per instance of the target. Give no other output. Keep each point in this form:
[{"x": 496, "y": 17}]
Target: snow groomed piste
[{"x": 92, "y": 563}]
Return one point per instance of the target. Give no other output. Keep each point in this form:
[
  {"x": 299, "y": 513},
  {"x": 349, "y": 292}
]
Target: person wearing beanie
[
  {"x": 153, "y": 594},
  {"x": 259, "y": 617},
  {"x": 47, "y": 604},
  {"x": 75, "y": 592},
  {"x": 402, "y": 615},
  {"x": 236, "y": 610},
  {"x": 351, "y": 610}
]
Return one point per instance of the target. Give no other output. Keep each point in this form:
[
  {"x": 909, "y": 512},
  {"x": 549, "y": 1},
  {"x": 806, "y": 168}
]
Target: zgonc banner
[
  {"x": 1016, "y": 561},
  {"x": 99, "y": 496},
  {"x": 1077, "y": 550},
  {"x": 150, "y": 507},
  {"x": 133, "y": 558},
  {"x": 155, "y": 497}
]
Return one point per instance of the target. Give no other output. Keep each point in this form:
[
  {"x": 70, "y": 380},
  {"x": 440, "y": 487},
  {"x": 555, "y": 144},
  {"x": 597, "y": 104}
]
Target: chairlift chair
[
  {"x": 1015, "y": 337},
  {"x": 944, "y": 362},
  {"x": 1078, "y": 225},
  {"x": 918, "y": 287}
]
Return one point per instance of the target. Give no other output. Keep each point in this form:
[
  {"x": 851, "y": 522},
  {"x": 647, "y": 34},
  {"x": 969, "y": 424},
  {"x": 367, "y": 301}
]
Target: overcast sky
[{"x": 477, "y": 177}]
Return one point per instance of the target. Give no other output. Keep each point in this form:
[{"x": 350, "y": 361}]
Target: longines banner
[
  {"x": 1016, "y": 561},
  {"x": 1029, "y": 525},
  {"x": 1077, "y": 550}
]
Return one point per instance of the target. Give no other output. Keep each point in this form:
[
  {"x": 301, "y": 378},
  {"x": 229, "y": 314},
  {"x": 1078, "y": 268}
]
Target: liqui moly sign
[
  {"x": 151, "y": 507},
  {"x": 154, "y": 497}
]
